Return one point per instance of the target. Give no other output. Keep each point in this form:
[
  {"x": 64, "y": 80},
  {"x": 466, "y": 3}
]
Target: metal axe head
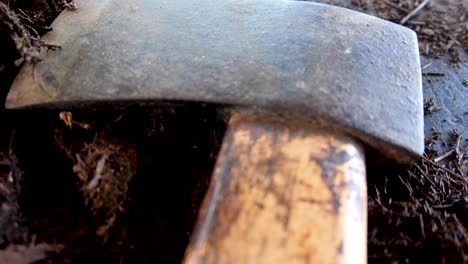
[{"x": 357, "y": 72}]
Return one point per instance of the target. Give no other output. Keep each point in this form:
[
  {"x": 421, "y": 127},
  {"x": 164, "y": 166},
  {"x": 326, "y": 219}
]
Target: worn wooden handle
[{"x": 283, "y": 195}]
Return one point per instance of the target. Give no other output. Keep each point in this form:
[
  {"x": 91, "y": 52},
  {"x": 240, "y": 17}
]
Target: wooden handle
[{"x": 283, "y": 195}]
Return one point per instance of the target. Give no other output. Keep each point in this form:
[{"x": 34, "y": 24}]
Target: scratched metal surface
[
  {"x": 356, "y": 71},
  {"x": 443, "y": 84}
]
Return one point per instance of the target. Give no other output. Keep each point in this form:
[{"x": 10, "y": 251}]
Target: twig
[
  {"x": 395, "y": 6},
  {"x": 444, "y": 156},
  {"x": 423, "y": 193},
  {"x": 443, "y": 168},
  {"x": 421, "y": 221},
  {"x": 98, "y": 175},
  {"x": 425, "y": 175},
  {"x": 407, "y": 185},
  {"x": 412, "y": 13},
  {"x": 427, "y": 65},
  {"x": 33, "y": 30},
  {"x": 459, "y": 153},
  {"x": 417, "y": 22},
  {"x": 442, "y": 206},
  {"x": 10, "y": 145},
  {"x": 25, "y": 16},
  {"x": 434, "y": 73}
]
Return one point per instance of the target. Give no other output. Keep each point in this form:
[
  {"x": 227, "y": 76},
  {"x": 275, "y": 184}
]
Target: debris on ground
[
  {"x": 11, "y": 228},
  {"x": 162, "y": 200},
  {"x": 13, "y": 232},
  {"x": 27, "y": 45},
  {"x": 23, "y": 22},
  {"x": 430, "y": 105},
  {"x": 420, "y": 215},
  {"x": 105, "y": 170}
]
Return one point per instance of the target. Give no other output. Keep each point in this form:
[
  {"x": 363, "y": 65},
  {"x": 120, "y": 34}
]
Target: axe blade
[{"x": 297, "y": 58}]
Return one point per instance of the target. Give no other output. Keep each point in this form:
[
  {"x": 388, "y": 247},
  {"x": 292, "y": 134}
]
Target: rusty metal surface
[{"x": 313, "y": 60}]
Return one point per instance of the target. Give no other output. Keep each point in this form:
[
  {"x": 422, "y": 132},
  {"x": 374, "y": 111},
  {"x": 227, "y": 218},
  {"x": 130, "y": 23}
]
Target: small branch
[
  {"x": 395, "y": 6},
  {"x": 443, "y": 168},
  {"x": 98, "y": 173},
  {"x": 442, "y": 206},
  {"x": 414, "y": 12},
  {"x": 425, "y": 175},
  {"x": 444, "y": 156},
  {"x": 427, "y": 65},
  {"x": 459, "y": 153},
  {"x": 421, "y": 221},
  {"x": 434, "y": 73}
]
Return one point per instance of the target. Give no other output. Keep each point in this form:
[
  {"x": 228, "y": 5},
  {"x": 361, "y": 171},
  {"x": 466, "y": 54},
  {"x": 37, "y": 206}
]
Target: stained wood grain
[{"x": 283, "y": 195}]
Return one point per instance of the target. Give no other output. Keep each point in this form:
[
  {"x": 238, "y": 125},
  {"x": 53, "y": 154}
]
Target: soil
[
  {"x": 129, "y": 216},
  {"x": 125, "y": 185}
]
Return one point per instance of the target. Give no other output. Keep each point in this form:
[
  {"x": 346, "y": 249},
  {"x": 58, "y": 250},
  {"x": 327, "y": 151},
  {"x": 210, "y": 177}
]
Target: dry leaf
[{"x": 66, "y": 117}]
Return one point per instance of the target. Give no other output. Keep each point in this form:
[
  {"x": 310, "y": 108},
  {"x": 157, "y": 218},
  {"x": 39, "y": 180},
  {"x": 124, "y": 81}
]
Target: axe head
[{"x": 354, "y": 71}]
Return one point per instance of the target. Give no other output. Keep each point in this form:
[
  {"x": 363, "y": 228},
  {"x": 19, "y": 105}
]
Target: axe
[{"x": 308, "y": 89}]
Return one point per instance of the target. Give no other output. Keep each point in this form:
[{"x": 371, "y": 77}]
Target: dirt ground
[{"x": 125, "y": 185}]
